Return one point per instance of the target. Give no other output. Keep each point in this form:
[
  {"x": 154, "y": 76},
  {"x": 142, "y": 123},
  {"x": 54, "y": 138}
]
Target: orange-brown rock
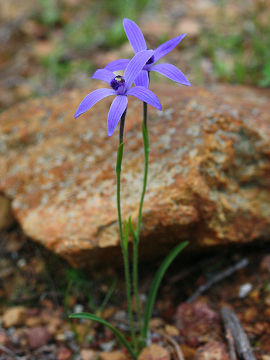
[
  {"x": 209, "y": 178},
  {"x": 212, "y": 351},
  {"x": 14, "y": 316},
  {"x": 112, "y": 355},
  {"x": 154, "y": 352},
  {"x": 197, "y": 323}
]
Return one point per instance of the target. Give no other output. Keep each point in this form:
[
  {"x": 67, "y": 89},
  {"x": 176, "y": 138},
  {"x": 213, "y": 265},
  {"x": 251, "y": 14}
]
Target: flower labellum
[
  {"x": 151, "y": 60},
  {"x": 118, "y": 84}
]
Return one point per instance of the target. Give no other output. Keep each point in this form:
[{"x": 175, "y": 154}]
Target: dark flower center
[
  {"x": 117, "y": 82},
  {"x": 151, "y": 60}
]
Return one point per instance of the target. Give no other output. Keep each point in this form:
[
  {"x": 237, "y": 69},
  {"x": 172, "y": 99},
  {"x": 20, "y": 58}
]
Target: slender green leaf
[
  {"x": 117, "y": 333},
  {"x": 119, "y": 158},
  {"x": 156, "y": 282},
  {"x": 118, "y": 191},
  {"x": 107, "y": 297},
  {"x": 126, "y": 235},
  {"x": 132, "y": 231},
  {"x": 146, "y": 161},
  {"x": 145, "y": 139},
  {"x": 101, "y": 307}
]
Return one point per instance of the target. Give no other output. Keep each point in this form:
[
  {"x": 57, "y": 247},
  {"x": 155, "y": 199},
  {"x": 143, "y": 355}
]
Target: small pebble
[
  {"x": 21, "y": 263},
  {"x": 78, "y": 308},
  {"x": 244, "y": 290},
  {"x": 107, "y": 346}
]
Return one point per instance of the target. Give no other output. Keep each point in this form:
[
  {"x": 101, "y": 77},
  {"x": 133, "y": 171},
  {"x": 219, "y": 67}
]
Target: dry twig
[
  {"x": 217, "y": 278},
  {"x": 7, "y": 351},
  {"x": 174, "y": 343},
  {"x": 231, "y": 344},
  {"x": 239, "y": 338}
]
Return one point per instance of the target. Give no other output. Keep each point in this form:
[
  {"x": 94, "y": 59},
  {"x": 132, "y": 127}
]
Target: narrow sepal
[
  {"x": 104, "y": 75},
  {"x": 117, "y": 108},
  {"x": 91, "y": 99},
  {"x": 136, "y": 64},
  {"x": 172, "y": 73},
  {"x": 134, "y": 35},
  {"x": 145, "y": 95},
  {"x": 117, "y": 65},
  {"x": 167, "y": 47},
  {"x": 142, "y": 79}
]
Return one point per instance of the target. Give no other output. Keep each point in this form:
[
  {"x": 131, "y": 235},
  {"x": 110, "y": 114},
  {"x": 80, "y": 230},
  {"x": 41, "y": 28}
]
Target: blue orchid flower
[
  {"x": 121, "y": 88},
  {"x": 137, "y": 41}
]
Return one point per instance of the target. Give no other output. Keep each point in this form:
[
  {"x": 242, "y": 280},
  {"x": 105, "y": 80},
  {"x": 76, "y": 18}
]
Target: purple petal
[
  {"x": 104, "y": 75},
  {"x": 145, "y": 95},
  {"x": 117, "y": 108},
  {"x": 142, "y": 79},
  {"x": 134, "y": 35},
  {"x": 91, "y": 99},
  {"x": 171, "y": 72},
  {"x": 168, "y": 46},
  {"x": 116, "y": 65},
  {"x": 136, "y": 64}
]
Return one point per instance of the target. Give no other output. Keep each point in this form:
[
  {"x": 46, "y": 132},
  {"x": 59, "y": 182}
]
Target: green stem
[
  {"x": 145, "y": 114},
  {"x": 135, "y": 283},
  {"x": 146, "y": 157},
  {"x": 124, "y": 245},
  {"x": 122, "y": 126},
  {"x": 118, "y": 191},
  {"x": 136, "y": 241},
  {"x": 146, "y": 160}
]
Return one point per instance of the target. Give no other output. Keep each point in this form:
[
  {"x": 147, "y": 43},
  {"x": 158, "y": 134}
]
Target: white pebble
[
  {"x": 21, "y": 263},
  {"x": 108, "y": 346},
  {"x": 244, "y": 290},
  {"x": 78, "y": 308}
]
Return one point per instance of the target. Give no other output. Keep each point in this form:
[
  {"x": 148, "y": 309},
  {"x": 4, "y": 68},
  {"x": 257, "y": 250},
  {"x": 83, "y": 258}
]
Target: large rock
[{"x": 209, "y": 179}]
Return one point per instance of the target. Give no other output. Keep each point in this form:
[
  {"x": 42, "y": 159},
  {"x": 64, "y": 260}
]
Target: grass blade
[
  {"x": 117, "y": 333},
  {"x": 155, "y": 285}
]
